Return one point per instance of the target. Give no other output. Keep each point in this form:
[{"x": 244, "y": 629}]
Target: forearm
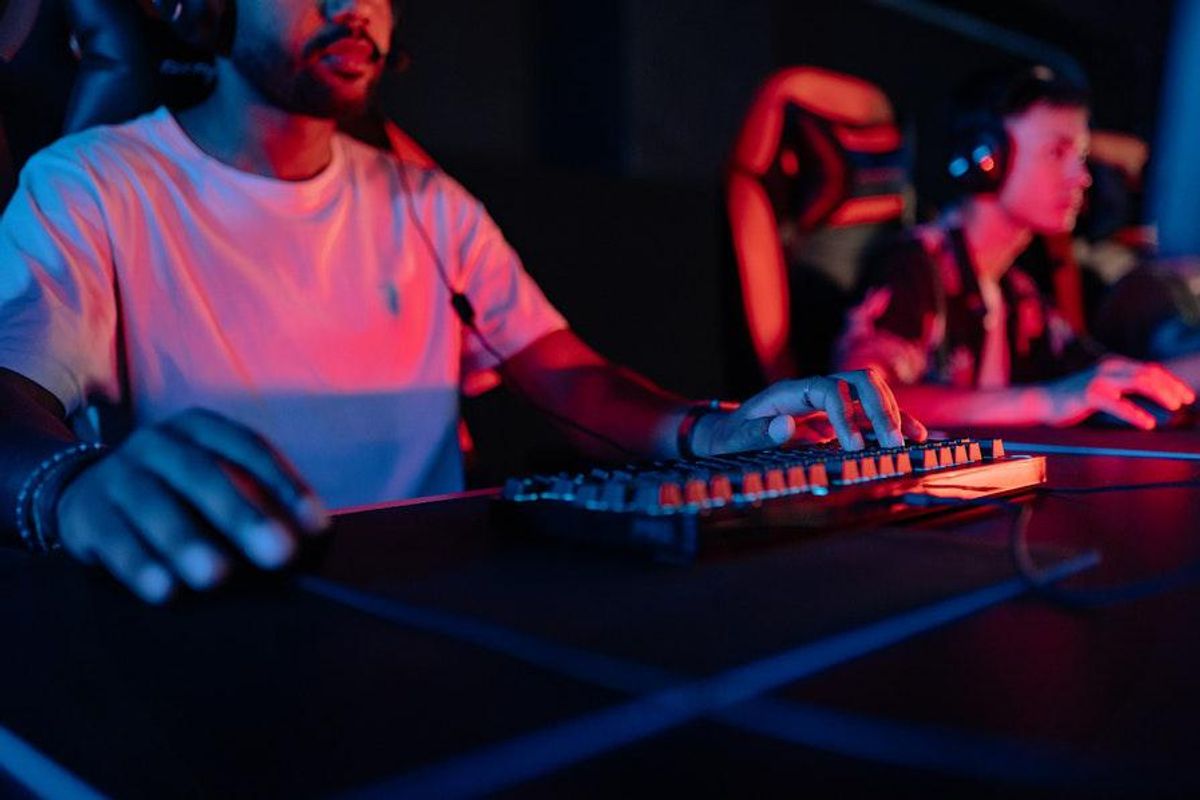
[
  {"x": 949, "y": 406},
  {"x": 615, "y": 412},
  {"x": 32, "y": 428},
  {"x": 606, "y": 411}
]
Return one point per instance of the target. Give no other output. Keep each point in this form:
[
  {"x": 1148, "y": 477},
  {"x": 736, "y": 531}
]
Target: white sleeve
[
  {"x": 57, "y": 305},
  {"x": 510, "y": 310}
]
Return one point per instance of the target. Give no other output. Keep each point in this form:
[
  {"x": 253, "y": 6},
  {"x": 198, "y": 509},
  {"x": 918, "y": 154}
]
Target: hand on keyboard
[{"x": 843, "y": 405}]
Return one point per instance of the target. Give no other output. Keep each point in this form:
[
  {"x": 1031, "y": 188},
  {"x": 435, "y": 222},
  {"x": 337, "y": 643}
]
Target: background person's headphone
[
  {"x": 981, "y": 150},
  {"x": 208, "y": 26}
]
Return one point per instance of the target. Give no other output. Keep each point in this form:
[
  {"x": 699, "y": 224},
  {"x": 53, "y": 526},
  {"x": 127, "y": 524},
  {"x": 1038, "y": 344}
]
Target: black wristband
[{"x": 36, "y": 501}]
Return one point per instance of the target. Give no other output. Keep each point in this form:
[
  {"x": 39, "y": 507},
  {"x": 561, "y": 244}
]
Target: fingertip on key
[
  {"x": 781, "y": 429},
  {"x": 201, "y": 566},
  {"x": 154, "y": 584},
  {"x": 269, "y": 545}
]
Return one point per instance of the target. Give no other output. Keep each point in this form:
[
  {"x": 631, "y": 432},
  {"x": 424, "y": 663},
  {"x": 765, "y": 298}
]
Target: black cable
[
  {"x": 1091, "y": 598},
  {"x": 1046, "y": 587},
  {"x": 466, "y": 314}
]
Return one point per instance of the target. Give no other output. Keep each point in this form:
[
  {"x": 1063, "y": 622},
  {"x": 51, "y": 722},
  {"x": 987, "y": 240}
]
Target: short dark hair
[{"x": 1000, "y": 94}]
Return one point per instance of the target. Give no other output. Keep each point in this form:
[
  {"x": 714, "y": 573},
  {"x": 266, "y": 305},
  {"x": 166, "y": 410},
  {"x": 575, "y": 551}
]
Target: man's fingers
[
  {"x": 241, "y": 446},
  {"x": 116, "y": 547},
  {"x": 209, "y": 487},
  {"x": 1123, "y": 409},
  {"x": 815, "y": 426},
  {"x": 912, "y": 427},
  {"x": 161, "y": 519},
  {"x": 1154, "y": 387},
  {"x": 833, "y": 397},
  {"x": 1169, "y": 383},
  {"x": 878, "y": 403},
  {"x": 1189, "y": 394}
]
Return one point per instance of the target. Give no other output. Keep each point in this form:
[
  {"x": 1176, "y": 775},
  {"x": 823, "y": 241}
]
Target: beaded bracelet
[
  {"x": 687, "y": 426},
  {"x": 41, "y": 486}
]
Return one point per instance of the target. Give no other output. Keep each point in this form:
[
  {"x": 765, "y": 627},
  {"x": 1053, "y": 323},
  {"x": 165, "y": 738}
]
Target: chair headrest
[{"x": 826, "y": 148}]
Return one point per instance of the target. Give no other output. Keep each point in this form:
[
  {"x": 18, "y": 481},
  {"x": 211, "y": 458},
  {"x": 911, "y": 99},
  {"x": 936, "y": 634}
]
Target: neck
[
  {"x": 237, "y": 125},
  {"x": 993, "y": 237}
]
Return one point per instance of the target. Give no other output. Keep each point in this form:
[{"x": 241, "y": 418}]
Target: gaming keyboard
[{"x": 675, "y": 510}]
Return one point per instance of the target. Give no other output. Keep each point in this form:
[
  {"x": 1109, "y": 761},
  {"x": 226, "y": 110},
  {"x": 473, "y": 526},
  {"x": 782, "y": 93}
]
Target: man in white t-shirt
[{"x": 268, "y": 299}]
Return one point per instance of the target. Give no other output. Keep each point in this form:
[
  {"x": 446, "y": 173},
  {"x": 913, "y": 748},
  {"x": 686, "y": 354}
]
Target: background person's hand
[
  {"x": 1105, "y": 386},
  {"x": 852, "y": 402},
  {"x": 183, "y": 500}
]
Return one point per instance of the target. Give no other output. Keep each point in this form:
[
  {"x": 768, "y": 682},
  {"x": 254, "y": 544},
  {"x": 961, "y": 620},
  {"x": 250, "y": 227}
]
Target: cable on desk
[
  {"x": 1083, "y": 450},
  {"x": 1046, "y": 586}
]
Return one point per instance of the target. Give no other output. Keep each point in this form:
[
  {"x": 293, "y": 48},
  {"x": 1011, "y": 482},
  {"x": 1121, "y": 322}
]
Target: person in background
[{"x": 963, "y": 335}]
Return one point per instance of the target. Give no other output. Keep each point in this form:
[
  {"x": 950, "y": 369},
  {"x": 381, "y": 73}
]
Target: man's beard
[{"x": 295, "y": 87}]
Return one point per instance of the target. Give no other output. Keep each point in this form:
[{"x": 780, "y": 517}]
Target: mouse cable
[
  {"x": 1047, "y": 588},
  {"x": 465, "y": 312}
]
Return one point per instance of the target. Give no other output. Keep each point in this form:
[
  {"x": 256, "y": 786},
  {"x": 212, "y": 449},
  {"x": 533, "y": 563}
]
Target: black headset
[
  {"x": 208, "y": 25},
  {"x": 981, "y": 150}
]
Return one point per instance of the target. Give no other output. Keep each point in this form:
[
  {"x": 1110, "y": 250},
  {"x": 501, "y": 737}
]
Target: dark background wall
[{"x": 596, "y": 132}]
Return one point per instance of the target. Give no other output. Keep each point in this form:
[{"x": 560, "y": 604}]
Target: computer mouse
[{"x": 1164, "y": 418}]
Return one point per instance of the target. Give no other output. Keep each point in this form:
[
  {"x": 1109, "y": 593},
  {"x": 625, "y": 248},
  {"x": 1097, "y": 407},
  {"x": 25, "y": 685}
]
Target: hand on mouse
[
  {"x": 182, "y": 500},
  {"x": 1103, "y": 387}
]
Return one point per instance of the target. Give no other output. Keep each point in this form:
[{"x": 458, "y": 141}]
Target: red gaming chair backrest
[{"x": 817, "y": 172}]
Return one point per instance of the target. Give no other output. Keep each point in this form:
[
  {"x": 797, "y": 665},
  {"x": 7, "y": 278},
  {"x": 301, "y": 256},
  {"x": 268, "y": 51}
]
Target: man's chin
[
  {"x": 329, "y": 102},
  {"x": 306, "y": 91},
  {"x": 1054, "y": 224},
  {"x": 334, "y": 109}
]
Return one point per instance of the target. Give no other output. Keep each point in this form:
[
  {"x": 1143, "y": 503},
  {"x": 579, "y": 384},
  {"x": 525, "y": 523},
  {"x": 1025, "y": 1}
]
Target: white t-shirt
[{"x": 310, "y": 310}]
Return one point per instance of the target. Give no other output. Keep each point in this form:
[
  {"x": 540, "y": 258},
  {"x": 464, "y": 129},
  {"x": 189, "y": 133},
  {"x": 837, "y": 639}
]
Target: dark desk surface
[{"x": 421, "y": 653}]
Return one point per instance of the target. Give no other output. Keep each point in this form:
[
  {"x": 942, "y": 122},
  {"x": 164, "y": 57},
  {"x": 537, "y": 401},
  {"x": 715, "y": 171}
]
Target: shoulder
[
  {"x": 148, "y": 133},
  {"x": 97, "y": 157}
]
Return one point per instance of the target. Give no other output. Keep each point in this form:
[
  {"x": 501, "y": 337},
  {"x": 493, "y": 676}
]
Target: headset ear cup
[
  {"x": 979, "y": 160},
  {"x": 1004, "y": 153}
]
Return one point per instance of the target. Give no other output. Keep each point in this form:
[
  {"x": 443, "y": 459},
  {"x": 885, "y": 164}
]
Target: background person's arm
[{"x": 1067, "y": 401}]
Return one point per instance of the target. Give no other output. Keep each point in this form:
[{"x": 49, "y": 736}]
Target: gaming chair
[
  {"x": 66, "y": 65},
  {"x": 818, "y": 176}
]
